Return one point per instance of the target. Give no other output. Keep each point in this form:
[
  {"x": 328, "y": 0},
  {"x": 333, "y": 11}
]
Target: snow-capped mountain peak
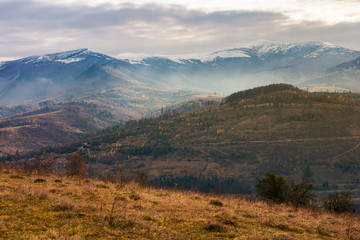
[
  {"x": 261, "y": 62},
  {"x": 66, "y": 57},
  {"x": 261, "y": 49}
]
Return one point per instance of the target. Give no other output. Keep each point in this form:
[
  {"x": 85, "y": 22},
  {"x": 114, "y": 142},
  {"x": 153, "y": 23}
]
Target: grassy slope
[{"x": 68, "y": 208}]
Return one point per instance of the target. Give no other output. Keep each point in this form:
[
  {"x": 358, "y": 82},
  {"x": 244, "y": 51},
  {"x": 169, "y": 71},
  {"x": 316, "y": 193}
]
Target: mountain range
[
  {"x": 38, "y": 93},
  {"x": 260, "y": 63},
  {"x": 130, "y": 82}
]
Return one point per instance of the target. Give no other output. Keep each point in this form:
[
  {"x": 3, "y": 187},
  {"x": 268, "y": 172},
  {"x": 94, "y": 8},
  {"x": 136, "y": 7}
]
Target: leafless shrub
[
  {"x": 142, "y": 178},
  {"x": 340, "y": 202},
  {"x": 40, "y": 164},
  {"x": 299, "y": 194},
  {"x": 76, "y": 165}
]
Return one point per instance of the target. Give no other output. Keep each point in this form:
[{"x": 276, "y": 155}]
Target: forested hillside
[{"x": 276, "y": 128}]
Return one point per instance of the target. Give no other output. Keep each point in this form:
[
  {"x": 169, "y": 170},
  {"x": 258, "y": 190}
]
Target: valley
[
  {"x": 179, "y": 120},
  {"x": 164, "y": 117},
  {"x": 277, "y": 128}
]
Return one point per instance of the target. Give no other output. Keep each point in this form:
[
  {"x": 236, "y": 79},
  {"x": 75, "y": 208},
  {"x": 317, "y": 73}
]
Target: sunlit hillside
[
  {"x": 46, "y": 206},
  {"x": 277, "y": 128}
]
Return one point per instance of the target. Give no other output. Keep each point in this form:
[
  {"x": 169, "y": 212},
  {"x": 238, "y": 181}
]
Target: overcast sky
[{"x": 33, "y": 27}]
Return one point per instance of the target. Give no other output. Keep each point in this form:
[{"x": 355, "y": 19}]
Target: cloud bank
[{"x": 33, "y": 27}]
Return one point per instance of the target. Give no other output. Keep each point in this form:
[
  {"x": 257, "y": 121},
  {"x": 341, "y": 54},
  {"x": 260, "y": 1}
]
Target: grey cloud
[
  {"x": 344, "y": 34},
  {"x": 37, "y": 15},
  {"x": 29, "y": 28}
]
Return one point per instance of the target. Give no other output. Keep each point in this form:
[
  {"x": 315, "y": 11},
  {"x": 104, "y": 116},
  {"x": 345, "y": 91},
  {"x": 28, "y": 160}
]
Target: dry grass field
[{"x": 58, "y": 207}]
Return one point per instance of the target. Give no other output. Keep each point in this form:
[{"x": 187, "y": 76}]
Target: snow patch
[
  {"x": 231, "y": 53},
  {"x": 324, "y": 46},
  {"x": 134, "y": 58},
  {"x": 268, "y": 48},
  {"x": 64, "y": 55},
  {"x": 70, "y": 60},
  {"x": 139, "y": 58},
  {"x": 264, "y": 48},
  {"x": 43, "y": 58}
]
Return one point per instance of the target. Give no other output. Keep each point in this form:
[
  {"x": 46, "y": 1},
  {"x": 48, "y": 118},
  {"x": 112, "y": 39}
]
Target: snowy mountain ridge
[
  {"x": 260, "y": 48},
  {"x": 83, "y": 72},
  {"x": 62, "y": 57}
]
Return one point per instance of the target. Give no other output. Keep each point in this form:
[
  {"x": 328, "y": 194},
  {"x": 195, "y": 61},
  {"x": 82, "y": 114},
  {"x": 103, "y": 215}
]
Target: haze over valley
[{"x": 179, "y": 119}]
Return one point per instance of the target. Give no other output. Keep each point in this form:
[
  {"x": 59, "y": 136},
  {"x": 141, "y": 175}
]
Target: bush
[
  {"x": 214, "y": 227},
  {"x": 141, "y": 178},
  {"x": 76, "y": 165},
  {"x": 299, "y": 194},
  {"x": 216, "y": 203},
  {"x": 40, "y": 164},
  {"x": 340, "y": 202},
  {"x": 276, "y": 189},
  {"x": 272, "y": 188},
  {"x": 39, "y": 180}
]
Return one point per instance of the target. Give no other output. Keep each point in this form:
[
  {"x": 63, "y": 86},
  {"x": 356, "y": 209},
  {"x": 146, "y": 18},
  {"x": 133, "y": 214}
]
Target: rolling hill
[
  {"x": 132, "y": 88},
  {"x": 277, "y": 128},
  {"x": 24, "y": 129},
  {"x": 51, "y": 125}
]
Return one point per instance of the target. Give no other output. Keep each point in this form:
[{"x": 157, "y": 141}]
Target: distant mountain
[
  {"x": 348, "y": 66},
  {"x": 130, "y": 82},
  {"x": 343, "y": 77},
  {"x": 53, "y": 76},
  {"x": 82, "y": 75},
  {"x": 260, "y": 63}
]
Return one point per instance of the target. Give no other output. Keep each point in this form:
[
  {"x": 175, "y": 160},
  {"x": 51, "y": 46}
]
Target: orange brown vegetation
[
  {"x": 60, "y": 207},
  {"x": 289, "y": 132}
]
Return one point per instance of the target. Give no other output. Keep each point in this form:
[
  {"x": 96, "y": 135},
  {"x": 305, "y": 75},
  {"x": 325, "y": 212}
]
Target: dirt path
[
  {"x": 292, "y": 140},
  {"x": 346, "y": 152},
  {"x": 206, "y": 159}
]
